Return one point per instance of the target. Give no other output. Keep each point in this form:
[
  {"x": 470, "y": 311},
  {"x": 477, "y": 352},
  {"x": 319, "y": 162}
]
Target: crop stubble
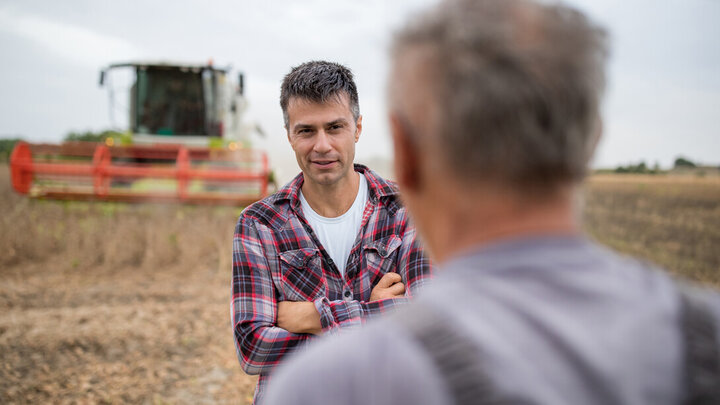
[
  {"x": 108, "y": 303},
  {"x": 673, "y": 221}
]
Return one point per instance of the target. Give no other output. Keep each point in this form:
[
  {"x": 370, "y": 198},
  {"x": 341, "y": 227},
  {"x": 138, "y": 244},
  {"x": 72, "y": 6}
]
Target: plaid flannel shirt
[{"x": 277, "y": 257}]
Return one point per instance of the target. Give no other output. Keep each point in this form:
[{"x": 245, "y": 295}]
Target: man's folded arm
[
  {"x": 260, "y": 345},
  {"x": 341, "y": 314},
  {"x": 413, "y": 266}
]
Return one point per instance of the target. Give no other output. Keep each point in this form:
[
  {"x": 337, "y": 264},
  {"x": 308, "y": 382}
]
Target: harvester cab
[
  {"x": 186, "y": 141},
  {"x": 188, "y": 104}
]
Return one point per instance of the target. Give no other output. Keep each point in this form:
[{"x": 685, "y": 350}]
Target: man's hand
[
  {"x": 299, "y": 317},
  {"x": 389, "y": 286}
]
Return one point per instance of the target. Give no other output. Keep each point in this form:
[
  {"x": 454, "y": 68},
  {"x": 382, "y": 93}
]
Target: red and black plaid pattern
[{"x": 277, "y": 257}]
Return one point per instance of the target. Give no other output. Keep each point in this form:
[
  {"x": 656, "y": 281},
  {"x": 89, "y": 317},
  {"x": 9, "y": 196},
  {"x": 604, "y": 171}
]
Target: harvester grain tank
[{"x": 187, "y": 141}]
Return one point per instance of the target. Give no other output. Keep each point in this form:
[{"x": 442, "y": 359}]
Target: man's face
[{"x": 323, "y": 137}]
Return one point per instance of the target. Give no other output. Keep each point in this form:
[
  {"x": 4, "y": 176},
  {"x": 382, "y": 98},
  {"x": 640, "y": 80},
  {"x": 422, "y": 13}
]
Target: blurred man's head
[
  {"x": 495, "y": 96},
  {"x": 322, "y": 118}
]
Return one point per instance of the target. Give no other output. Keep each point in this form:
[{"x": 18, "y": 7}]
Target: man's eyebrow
[
  {"x": 337, "y": 121},
  {"x": 301, "y": 126}
]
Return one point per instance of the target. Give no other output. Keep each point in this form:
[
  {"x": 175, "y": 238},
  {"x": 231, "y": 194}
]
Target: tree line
[
  {"x": 7, "y": 144},
  {"x": 643, "y": 168}
]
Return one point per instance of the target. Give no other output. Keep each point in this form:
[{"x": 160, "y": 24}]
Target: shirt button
[{"x": 347, "y": 294}]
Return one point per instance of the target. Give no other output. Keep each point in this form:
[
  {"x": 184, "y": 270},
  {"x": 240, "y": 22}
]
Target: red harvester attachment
[{"x": 157, "y": 173}]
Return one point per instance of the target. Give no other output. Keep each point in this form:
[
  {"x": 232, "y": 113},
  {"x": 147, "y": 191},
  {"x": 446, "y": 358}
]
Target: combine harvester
[{"x": 187, "y": 143}]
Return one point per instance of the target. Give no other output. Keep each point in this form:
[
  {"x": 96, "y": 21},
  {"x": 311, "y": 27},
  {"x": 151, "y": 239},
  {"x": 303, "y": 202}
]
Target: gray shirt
[{"x": 557, "y": 320}]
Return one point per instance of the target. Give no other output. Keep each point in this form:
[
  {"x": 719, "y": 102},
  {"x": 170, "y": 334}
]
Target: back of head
[
  {"x": 319, "y": 82},
  {"x": 511, "y": 89}
]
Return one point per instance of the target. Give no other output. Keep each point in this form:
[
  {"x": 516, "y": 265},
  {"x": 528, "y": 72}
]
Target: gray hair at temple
[
  {"x": 319, "y": 81},
  {"x": 513, "y": 89}
]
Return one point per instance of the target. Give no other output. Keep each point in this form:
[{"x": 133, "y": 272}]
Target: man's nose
[{"x": 322, "y": 143}]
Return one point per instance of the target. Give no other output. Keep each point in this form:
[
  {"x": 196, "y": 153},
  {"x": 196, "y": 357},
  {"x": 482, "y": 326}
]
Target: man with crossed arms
[{"x": 331, "y": 248}]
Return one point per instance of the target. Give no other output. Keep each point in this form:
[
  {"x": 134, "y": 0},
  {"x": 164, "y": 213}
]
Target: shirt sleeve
[
  {"x": 413, "y": 265},
  {"x": 344, "y": 314},
  {"x": 260, "y": 345}
]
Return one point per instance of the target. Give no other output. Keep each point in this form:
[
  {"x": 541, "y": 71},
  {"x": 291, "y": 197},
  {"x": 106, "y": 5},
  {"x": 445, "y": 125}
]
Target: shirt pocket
[
  {"x": 381, "y": 256},
  {"x": 302, "y": 275}
]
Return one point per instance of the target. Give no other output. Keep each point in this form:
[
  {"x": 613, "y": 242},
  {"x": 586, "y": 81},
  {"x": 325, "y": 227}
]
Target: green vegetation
[
  {"x": 89, "y": 136},
  {"x": 682, "y": 162},
  {"x": 640, "y": 168},
  {"x": 643, "y": 168},
  {"x": 6, "y": 147}
]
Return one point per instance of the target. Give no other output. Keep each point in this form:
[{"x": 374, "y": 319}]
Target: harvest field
[
  {"x": 673, "y": 221},
  {"x": 130, "y": 303}
]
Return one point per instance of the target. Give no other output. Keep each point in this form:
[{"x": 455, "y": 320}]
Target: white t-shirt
[{"x": 338, "y": 234}]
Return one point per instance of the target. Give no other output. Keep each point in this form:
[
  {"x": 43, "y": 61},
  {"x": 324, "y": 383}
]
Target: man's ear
[
  {"x": 407, "y": 170},
  {"x": 358, "y": 128}
]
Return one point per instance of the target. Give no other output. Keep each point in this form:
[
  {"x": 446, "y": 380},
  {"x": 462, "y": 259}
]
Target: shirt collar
[{"x": 380, "y": 189}]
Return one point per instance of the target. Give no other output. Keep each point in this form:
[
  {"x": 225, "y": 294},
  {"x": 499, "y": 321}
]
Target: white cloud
[{"x": 73, "y": 43}]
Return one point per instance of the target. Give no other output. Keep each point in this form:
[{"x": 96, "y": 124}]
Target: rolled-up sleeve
[{"x": 344, "y": 314}]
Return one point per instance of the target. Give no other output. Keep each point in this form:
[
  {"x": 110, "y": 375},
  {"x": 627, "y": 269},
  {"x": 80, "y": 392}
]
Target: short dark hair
[
  {"x": 319, "y": 81},
  {"x": 516, "y": 85}
]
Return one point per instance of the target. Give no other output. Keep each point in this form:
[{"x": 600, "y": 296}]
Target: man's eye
[{"x": 335, "y": 127}]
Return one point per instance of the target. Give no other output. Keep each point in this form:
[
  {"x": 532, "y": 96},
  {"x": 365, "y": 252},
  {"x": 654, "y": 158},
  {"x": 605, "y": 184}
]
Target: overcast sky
[{"x": 663, "y": 98}]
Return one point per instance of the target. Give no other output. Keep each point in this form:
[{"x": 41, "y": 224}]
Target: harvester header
[{"x": 186, "y": 142}]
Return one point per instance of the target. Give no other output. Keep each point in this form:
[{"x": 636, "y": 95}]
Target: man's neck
[
  {"x": 476, "y": 221},
  {"x": 332, "y": 200}
]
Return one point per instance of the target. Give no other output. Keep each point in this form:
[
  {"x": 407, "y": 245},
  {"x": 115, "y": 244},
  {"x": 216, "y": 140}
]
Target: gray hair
[
  {"x": 515, "y": 85},
  {"x": 319, "y": 81}
]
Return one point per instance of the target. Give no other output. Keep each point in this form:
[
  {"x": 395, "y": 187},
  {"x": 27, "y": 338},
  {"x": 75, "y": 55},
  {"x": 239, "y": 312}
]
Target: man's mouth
[{"x": 323, "y": 163}]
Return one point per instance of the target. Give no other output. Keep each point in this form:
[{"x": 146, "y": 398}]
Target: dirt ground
[
  {"x": 673, "y": 221},
  {"x": 114, "y": 303}
]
